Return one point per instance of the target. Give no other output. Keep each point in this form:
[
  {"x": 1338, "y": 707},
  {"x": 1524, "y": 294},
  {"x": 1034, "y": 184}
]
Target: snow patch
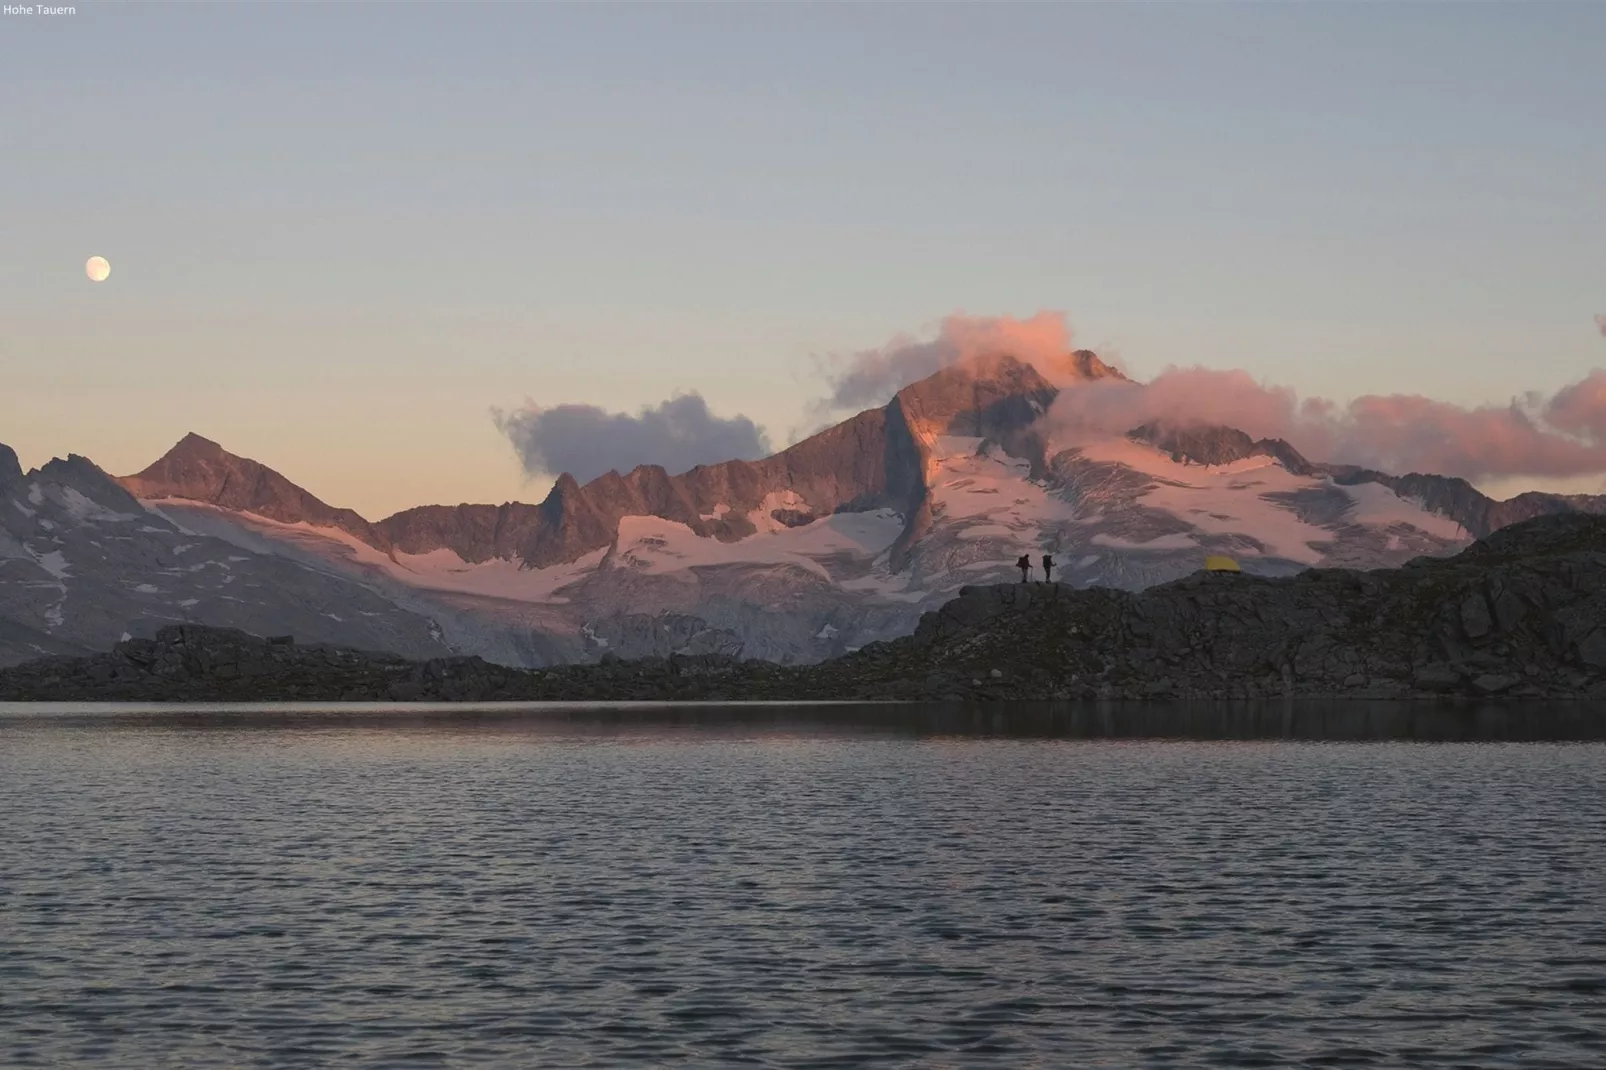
[
  {"x": 443, "y": 570},
  {"x": 330, "y": 549},
  {"x": 148, "y": 588},
  {"x": 55, "y": 563},
  {"x": 762, "y": 518},
  {"x": 986, "y": 531},
  {"x": 1377, "y": 505},
  {"x": 1218, "y": 499},
  {"x": 86, "y": 509},
  {"x": 36, "y": 494},
  {"x": 23, "y": 509},
  {"x": 154, "y": 507},
  {"x": 1174, "y": 541},
  {"x": 655, "y": 545}
]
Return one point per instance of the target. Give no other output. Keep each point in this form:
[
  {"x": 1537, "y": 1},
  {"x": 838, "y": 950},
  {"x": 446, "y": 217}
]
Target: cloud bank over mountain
[
  {"x": 870, "y": 377},
  {"x": 1534, "y": 435},
  {"x": 586, "y": 440}
]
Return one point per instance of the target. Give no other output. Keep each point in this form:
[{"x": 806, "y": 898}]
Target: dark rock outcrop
[
  {"x": 10, "y": 467},
  {"x": 1204, "y": 444},
  {"x": 1519, "y": 615},
  {"x": 1522, "y": 613}
]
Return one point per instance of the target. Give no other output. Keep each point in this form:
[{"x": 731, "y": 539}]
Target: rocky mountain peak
[
  {"x": 1086, "y": 365},
  {"x": 199, "y": 470},
  {"x": 10, "y": 468},
  {"x": 89, "y": 479},
  {"x": 197, "y": 446},
  {"x": 986, "y": 397}
]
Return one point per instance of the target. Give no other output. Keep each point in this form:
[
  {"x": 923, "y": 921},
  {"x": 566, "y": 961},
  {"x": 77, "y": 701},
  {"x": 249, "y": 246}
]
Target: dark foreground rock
[{"x": 1520, "y": 614}]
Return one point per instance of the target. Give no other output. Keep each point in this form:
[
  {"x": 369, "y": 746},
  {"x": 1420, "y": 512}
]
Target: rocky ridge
[
  {"x": 1206, "y": 444},
  {"x": 876, "y": 459},
  {"x": 1521, "y": 614}
]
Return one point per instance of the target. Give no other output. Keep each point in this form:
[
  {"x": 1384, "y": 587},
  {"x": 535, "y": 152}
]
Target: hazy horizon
[{"x": 341, "y": 236}]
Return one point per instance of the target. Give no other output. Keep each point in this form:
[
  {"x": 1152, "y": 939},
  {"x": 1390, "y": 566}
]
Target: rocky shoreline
[{"x": 1520, "y": 614}]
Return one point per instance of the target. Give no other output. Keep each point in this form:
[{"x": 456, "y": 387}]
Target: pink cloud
[
  {"x": 870, "y": 377},
  {"x": 1562, "y": 435}
]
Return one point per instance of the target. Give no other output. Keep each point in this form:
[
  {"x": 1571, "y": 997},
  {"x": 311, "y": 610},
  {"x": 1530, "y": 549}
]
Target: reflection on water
[
  {"x": 1312, "y": 720},
  {"x": 803, "y": 886}
]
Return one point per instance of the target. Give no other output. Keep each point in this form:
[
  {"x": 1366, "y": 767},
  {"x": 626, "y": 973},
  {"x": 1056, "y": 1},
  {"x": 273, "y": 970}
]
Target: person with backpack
[
  {"x": 1025, "y": 566},
  {"x": 1048, "y": 569}
]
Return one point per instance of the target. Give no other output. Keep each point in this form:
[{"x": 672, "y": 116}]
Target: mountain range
[{"x": 842, "y": 539}]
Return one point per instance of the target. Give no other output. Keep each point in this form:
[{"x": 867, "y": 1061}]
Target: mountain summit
[{"x": 199, "y": 470}]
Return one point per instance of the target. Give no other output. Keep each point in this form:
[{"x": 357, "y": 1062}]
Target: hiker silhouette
[
  {"x": 1048, "y": 569},
  {"x": 1025, "y": 566}
]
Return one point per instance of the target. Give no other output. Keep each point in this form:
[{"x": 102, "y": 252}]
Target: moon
[{"x": 97, "y": 269}]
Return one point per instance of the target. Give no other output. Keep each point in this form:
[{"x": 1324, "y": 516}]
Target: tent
[{"x": 1218, "y": 563}]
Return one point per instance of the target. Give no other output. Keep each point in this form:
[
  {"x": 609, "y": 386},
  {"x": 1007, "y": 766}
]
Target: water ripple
[{"x": 439, "y": 896}]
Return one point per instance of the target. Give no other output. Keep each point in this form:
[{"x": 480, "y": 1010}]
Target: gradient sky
[{"x": 341, "y": 233}]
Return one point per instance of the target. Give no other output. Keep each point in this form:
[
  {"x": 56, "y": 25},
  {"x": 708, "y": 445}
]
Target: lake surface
[{"x": 825, "y": 887}]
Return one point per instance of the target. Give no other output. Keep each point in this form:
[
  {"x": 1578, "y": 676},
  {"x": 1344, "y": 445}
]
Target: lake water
[{"x": 825, "y": 887}]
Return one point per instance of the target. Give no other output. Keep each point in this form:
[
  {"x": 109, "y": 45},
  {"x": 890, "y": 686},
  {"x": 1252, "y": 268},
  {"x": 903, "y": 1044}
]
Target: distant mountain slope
[
  {"x": 1448, "y": 496},
  {"x": 840, "y": 540},
  {"x": 1472, "y": 509},
  {"x": 83, "y": 562}
]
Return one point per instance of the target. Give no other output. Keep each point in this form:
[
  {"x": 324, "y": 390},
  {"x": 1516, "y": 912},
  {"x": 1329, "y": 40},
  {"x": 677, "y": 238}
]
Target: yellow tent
[{"x": 1218, "y": 563}]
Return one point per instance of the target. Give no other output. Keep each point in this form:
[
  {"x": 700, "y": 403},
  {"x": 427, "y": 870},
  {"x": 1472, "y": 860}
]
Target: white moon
[{"x": 97, "y": 269}]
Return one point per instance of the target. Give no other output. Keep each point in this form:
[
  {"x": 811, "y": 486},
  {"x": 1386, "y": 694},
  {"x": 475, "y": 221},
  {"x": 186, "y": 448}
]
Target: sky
[{"x": 368, "y": 244}]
